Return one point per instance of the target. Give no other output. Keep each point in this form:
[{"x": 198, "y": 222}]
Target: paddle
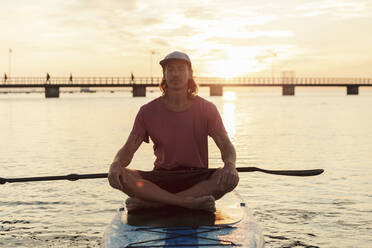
[
  {"x": 299, "y": 173},
  {"x": 74, "y": 177}
]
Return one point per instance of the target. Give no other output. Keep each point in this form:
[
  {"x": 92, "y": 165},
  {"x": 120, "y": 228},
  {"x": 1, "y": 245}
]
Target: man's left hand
[{"x": 229, "y": 177}]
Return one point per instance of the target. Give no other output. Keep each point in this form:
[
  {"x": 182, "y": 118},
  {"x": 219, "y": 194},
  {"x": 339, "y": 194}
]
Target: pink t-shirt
[{"x": 180, "y": 138}]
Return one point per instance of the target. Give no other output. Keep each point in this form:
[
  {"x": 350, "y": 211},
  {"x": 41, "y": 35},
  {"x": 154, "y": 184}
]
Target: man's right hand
[
  {"x": 122, "y": 159},
  {"x": 116, "y": 175}
]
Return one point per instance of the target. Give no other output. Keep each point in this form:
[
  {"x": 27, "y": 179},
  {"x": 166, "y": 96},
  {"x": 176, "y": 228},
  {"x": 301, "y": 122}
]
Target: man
[
  {"x": 132, "y": 77},
  {"x": 47, "y": 78},
  {"x": 178, "y": 124}
]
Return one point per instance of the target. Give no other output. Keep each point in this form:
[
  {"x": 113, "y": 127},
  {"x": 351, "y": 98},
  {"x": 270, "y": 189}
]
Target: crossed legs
[{"x": 144, "y": 193}]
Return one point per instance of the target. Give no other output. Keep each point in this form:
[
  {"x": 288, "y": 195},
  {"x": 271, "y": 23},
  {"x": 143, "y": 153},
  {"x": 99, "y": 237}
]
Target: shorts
[{"x": 178, "y": 180}]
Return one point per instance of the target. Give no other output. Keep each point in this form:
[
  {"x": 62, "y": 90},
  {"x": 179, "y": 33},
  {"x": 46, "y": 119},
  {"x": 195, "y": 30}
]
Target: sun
[
  {"x": 232, "y": 62},
  {"x": 232, "y": 68}
]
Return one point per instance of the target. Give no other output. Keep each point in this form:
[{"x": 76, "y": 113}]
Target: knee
[
  {"x": 218, "y": 189},
  {"x": 130, "y": 181},
  {"x": 227, "y": 187},
  {"x": 223, "y": 186}
]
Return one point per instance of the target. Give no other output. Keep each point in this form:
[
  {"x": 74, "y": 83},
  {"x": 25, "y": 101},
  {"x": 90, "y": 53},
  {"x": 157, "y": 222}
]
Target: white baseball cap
[{"x": 176, "y": 55}]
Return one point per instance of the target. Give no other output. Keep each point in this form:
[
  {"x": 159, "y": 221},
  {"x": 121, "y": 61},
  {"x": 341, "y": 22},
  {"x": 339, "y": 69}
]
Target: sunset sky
[{"x": 223, "y": 38}]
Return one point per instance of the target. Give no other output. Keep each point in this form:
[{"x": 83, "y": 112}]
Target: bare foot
[
  {"x": 206, "y": 203},
  {"x": 135, "y": 203}
]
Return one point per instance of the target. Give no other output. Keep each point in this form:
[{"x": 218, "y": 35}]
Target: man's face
[{"x": 177, "y": 74}]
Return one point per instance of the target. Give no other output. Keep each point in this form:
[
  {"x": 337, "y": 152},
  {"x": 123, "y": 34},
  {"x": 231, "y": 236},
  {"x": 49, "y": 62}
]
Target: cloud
[
  {"x": 251, "y": 37},
  {"x": 94, "y": 32},
  {"x": 340, "y": 9},
  {"x": 201, "y": 13},
  {"x": 160, "y": 41},
  {"x": 181, "y": 31}
]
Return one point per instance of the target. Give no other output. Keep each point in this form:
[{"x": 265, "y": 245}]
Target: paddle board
[{"x": 231, "y": 225}]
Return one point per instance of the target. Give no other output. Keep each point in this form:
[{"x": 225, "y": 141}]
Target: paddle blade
[{"x": 298, "y": 173}]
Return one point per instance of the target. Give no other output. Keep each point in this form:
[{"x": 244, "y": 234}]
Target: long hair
[{"x": 192, "y": 87}]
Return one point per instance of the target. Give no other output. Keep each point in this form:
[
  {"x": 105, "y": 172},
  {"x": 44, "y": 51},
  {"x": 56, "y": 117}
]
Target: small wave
[
  {"x": 30, "y": 203},
  {"x": 295, "y": 214},
  {"x": 299, "y": 244},
  {"x": 14, "y": 222},
  {"x": 276, "y": 237},
  {"x": 342, "y": 202}
]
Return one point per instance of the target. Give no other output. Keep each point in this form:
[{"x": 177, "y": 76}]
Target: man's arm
[
  {"x": 125, "y": 154},
  {"x": 229, "y": 177},
  {"x": 122, "y": 159},
  {"x": 227, "y": 149}
]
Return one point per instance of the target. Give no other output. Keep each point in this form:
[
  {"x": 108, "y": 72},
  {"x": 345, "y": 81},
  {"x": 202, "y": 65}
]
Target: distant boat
[{"x": 86, "y": 90}]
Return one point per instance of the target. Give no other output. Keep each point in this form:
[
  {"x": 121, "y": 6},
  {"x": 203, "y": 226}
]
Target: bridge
[{"x": 215, "y": 84}]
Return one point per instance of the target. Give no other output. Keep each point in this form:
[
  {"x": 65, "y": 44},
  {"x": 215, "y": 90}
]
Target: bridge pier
[
  {"x": 139, "y": 90},
  {"x": 51, "y": 91},
  {"x": 288, "y": 90},
  {"x": 352, "y": 89},
  {"x": 216, "y": 90}
]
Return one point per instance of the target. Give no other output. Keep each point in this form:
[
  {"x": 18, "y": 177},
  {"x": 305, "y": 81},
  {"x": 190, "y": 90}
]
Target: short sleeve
[
  {"x": 139, "y": 126},
  {"x": 214, "y": 120}
]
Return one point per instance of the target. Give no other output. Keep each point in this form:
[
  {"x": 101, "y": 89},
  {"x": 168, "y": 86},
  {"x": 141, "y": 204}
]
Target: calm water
[{"x": 80, "y": 133}]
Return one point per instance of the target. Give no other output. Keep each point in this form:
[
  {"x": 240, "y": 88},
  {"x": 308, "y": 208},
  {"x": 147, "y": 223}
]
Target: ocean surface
[{"x": 81, "y": 133}]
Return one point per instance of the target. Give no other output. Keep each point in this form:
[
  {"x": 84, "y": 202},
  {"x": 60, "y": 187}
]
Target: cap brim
[{"x": 165, "y": 61}]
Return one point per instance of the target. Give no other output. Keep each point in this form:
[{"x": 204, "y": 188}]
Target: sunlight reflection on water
[{"x": 81, "y": 133}]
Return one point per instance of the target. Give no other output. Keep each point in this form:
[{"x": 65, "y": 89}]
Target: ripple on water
[
  {"x": 297, "y": 243},
  {"x": 31, "y": 203},
  {"x": 14, "y": 222}
]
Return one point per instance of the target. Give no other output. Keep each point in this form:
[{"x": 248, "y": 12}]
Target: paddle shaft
[
  {"x": 70, "y": 177},
  {"x": 74, "y": 177}
]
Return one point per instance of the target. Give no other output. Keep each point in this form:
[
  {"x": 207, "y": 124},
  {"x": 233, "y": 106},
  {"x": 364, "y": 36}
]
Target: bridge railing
[
  {"x": 200, "y": 80},
  {"x": 81, "y": 80},
  {"x": 283, "y": 80}
]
